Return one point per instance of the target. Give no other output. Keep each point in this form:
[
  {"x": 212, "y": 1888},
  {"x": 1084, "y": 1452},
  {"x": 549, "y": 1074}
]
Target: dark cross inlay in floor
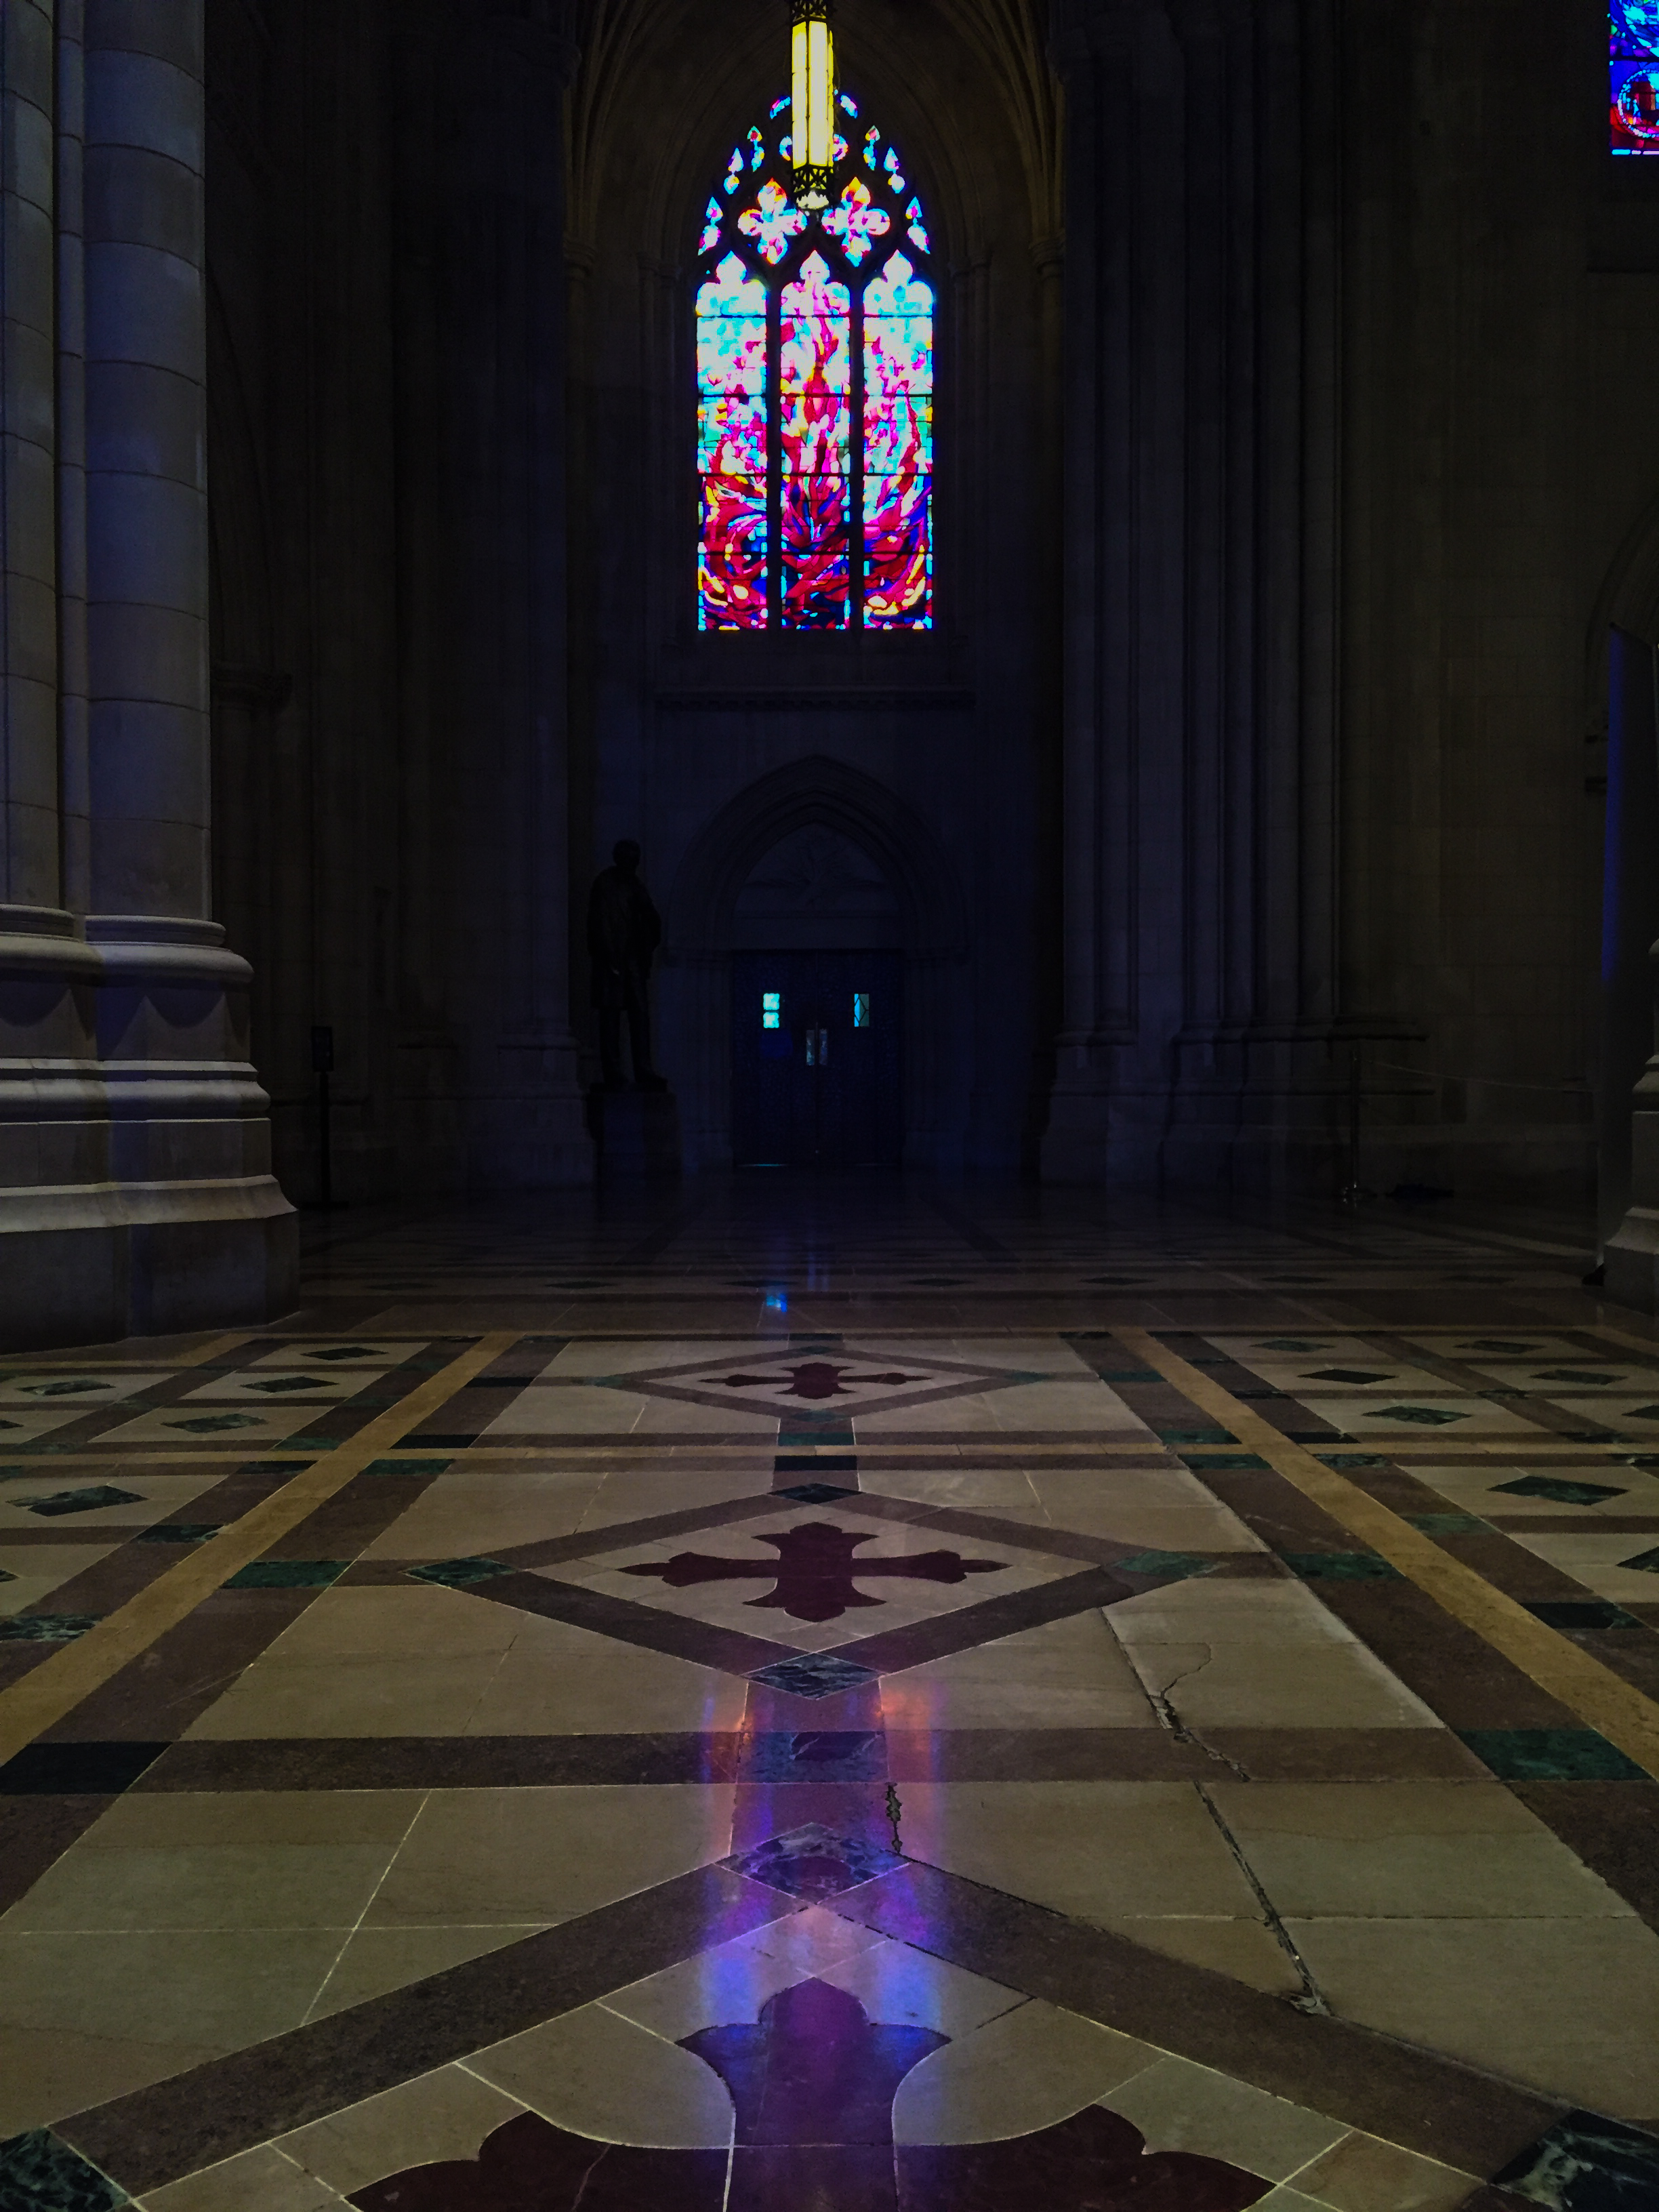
[
  {"x": 812, "y": 2086},
  {"x": 815, "y": 2069},
  {"x": 813, "y": 1576},
  {"x": 816, "y": 1378}
]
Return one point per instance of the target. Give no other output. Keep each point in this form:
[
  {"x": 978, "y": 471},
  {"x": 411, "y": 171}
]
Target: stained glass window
[
  {"x": 815, "y": 393},
  {"x": 1634, "y": 59}
]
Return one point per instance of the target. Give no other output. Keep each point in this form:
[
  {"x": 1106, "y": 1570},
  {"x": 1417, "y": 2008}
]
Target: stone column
[
  {"x": 1123, "y": 394},
  {"x": 134, "y": 1147},
  {"x": 29, "y": 874},
  {"x": 146, "y": 462},
  {"x": 48, "y": 1083},
  {"x": 1631, "y": 1255},
  {"x": 525, "y": 1110},
  {"x": 1201, "y": 488}
]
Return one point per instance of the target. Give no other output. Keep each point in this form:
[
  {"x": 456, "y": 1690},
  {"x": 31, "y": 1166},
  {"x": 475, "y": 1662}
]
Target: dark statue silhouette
[{"x": 624, "y": 931}]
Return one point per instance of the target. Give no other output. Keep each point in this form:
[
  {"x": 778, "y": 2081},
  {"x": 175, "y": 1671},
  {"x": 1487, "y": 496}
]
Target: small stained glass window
[
  {"x": 815, "y": 352},
  {"x": 1634, "y": 89},
  {"x": 771, "y": 1010},
  {"x": 861, "y": 1010}
]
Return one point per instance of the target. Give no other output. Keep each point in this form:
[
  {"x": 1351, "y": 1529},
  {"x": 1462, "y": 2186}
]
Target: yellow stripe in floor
[
  {"x": 54, "y": 1688},
  {"x": 1602, "y": 1700}
]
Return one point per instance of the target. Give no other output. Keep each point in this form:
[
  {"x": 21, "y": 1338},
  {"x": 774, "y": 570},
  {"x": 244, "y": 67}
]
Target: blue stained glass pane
[
  {"x": 778, "y": 105},
  {"x": 861, "y": 1010},
  {"x": 849, "y": 105}
]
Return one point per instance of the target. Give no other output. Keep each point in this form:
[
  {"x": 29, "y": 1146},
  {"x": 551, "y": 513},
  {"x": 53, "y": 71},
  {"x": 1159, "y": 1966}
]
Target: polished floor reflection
[{"x": 815, "y": 1696}]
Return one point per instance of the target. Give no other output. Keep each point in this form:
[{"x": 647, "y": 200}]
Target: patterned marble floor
[{"x": 807, "y": 1696}]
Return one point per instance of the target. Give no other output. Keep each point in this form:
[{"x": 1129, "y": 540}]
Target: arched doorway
[
  {"x": 817, "y": 1008},
  {"x": 813, "y": 872}
]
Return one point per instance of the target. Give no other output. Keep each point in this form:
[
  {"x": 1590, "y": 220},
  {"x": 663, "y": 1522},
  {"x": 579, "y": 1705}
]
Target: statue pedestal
[{"x": 637, "y": 1132}]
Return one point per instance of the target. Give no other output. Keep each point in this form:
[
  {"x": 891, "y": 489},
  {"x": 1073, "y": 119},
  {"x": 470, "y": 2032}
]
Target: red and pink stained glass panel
[
  {"x": 898, "y": 448},
  {"x": 733, "y": 457},
  {"x": 815, "y": 364},
  {"x": 814, "y": 384}
]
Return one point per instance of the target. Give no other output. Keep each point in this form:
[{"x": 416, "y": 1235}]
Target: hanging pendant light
[{"x": 812, "y": 145}]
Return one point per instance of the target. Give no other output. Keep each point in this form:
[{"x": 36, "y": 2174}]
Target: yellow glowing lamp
[{"x": 812, "y": 145}]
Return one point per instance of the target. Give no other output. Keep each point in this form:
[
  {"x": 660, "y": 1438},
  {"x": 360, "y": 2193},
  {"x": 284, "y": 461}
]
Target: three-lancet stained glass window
[
  {"x": 1634, "y": 61},
  {"x": 815, "y": 393}
]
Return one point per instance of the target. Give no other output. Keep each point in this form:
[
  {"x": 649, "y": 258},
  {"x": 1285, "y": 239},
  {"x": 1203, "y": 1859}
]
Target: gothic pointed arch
[
  {"x": 806, "y": 793},
  {"x": 814, "y": 337}
]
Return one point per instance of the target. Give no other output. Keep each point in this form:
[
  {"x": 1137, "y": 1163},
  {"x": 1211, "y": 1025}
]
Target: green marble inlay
[
  {"x": 6, "y": 1576},
  {"x": 1230, "y": 1463},
  {"x": 1422, "y": 1417},
  {"x": 209, "y": 1424},
  {"x": 1550, "y": 1755},
  {"x": 1289, "y": 1344},
  {"x": 1638, "y": 1413},
  {"x": 1451, "y": 1524},
  {"x": 1558, "y": 1489},
  {"x": 66, "y": 1387},
  {"x": 82, "y": 1501},
  {"x": 1347, "y": 1375},
  {"x": 274, "y": 1385},
  {"x": 39, "y": 2172},
  {"x": 1586, "y": 2164},
  {"x": 288, "y": 1574},
  {"x": 1340, "y": 1459},
  {"x": 1174, "y": 1566},
  {"x": 181, "y": 1532},
  {"x": 1645, "y": 1563},
  {"x": 456, "y": 1573},
  {"x": 1340, "y": 1566},
  {"x": 1573, "y": 1615},
  {"x": 408, "y": 1466},
  {"x": 1195, "y": 1435},
  {"x": 46, "y": 1627},
  {"x": 345, "y": 1351},
  {"x": 1134, "y": 1373}
]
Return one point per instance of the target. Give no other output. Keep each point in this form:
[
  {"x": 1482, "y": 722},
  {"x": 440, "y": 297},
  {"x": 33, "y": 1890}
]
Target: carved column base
[
  {"x": 136, "y": 1191},
  {"x": 1631, "y": 1255}
]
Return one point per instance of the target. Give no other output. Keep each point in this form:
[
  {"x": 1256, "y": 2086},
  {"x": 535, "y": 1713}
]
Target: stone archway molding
[{"x": 818, "y": 791}]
